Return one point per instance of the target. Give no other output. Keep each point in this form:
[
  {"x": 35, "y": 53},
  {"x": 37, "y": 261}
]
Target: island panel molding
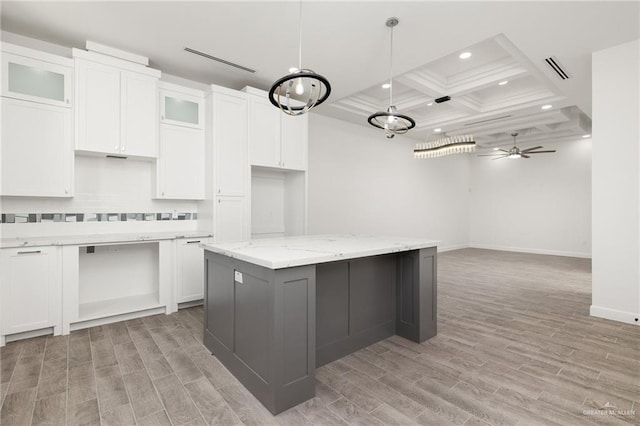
[{"x": 277, "y": 308}]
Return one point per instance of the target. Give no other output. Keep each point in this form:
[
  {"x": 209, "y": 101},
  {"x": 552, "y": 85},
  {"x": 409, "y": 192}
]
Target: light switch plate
[{"x": 237, "y": 276}]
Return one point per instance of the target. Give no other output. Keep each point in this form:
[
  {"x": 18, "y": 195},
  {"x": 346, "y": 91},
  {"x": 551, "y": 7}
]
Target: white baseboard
[
  {"x": 532, "y": 250},
  {"x": 452, "y": 247},
  {"x": 615, "y": 315}
]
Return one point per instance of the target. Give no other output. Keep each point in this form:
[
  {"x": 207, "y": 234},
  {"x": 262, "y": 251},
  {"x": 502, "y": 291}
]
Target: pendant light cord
[
  {"x": 391, "y": 70},
  {"x": 300, "y": 36}
]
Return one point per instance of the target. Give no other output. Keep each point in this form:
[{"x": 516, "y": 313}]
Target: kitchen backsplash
[{"x": 93, "y": 217}]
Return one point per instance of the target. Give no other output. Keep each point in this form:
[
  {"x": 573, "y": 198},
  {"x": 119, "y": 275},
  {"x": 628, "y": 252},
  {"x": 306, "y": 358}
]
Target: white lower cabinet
[
  {"x": 189, "y": 278},
  {"x": 31, "y": 289}
]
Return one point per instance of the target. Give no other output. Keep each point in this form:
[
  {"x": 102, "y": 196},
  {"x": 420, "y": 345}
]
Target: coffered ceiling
[
  {"x": 348, "y": 42},
  {"x": 494, "y": 92}
]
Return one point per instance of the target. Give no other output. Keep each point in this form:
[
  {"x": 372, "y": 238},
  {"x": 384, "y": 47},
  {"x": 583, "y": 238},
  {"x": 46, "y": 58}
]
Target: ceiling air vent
[
  {"x": 442, "y": 99},
  {"x": 555, "y": 66},
  {"x": 222, "y": 61}
]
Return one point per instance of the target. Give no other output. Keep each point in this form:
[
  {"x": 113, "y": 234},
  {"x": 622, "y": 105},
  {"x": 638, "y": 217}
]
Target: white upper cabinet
[
  {"x": 37, "y": 150},
  {"x": 34, "y": 79},
  {"x": 264, "y": 132},
  {"x": 37, "y": 134},
  {"x": 139, "y": 100},
  {"x": 181, "y": 163},
  {"x": 230, "y": 141},
  {"x": 294, "y": 141},
  {"x": 117, "y": 104},
  {"x": 180, "y": 169},
  {"x": 275, "y": 138}
]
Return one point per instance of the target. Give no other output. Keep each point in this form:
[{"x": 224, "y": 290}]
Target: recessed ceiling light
[
  {"x": 438, "y": 130},
  {"x": 465, "y": 55},
  {"x": 548, "y": 106},
  {"x": 502, "y": 83},
  {"x": 586, "y": 136},
  {"x": 430, "y": 103},
  {"x": 386, "y": 85}
]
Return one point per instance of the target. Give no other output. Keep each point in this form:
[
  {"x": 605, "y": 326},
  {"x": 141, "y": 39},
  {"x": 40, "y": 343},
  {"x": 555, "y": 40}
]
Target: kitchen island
[{"x": 277, "y": 308}]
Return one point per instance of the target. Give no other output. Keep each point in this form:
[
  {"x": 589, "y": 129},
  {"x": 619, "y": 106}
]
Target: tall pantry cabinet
[{"x": 227, "y": 172}]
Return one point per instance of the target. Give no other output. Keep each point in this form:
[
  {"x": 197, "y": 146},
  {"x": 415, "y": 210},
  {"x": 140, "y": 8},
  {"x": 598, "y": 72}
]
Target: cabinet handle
[
  {"x": 218, "y": 201},
  {"x": 66, "y": 100},
  {"x": 193, "y": 242},
  {"x": 66, "y": 191},
  {"x": 218, "y": 190},
  {"x": 162, "y": 117},
  {"x": 163, "y": 193},
  {"x": 30, "y": 252}
]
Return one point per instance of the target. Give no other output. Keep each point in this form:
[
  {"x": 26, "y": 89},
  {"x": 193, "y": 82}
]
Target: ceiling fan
[{"x": 516, "y": 152}]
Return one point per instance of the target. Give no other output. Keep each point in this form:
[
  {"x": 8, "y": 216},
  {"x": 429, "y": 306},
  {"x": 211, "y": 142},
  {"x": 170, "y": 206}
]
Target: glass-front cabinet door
[
  {"x": 35, "y": 80},
  {"x": 181, "y": 109}
]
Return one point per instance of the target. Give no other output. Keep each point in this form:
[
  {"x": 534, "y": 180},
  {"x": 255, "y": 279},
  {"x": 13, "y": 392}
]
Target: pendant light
[
  {"x": 391, "y": 121},
  {"x": 302, "y": 89}
]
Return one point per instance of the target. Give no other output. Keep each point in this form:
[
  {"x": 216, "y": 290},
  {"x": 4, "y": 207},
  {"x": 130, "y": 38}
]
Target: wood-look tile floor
[{"x": 515, "y": 345}]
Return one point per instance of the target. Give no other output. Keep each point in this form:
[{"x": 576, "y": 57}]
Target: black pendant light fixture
[
  {"x": 302, "y": 89},
  {"x": 391, "y": 121}
]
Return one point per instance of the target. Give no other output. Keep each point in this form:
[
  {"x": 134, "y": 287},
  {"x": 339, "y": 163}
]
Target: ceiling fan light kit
[
  {"x": 391, "y": 121},
  {"x": 302, "y": 89},
  {"x": 445, "y": 146},
  {"x": 516, "y": 152}
]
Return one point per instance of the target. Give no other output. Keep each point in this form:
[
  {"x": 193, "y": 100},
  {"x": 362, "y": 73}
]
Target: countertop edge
[
  {"x": 321, "y": 258},
  {"x": 78, "y": 240}
]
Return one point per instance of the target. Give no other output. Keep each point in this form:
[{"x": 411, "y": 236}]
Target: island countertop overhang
[{"x": 288, "y": 252}]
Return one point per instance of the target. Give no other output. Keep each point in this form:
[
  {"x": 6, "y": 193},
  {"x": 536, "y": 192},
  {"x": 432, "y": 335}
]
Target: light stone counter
[
  {"x": 70, "y": 240},
  {"x": 286, "y": 252}
]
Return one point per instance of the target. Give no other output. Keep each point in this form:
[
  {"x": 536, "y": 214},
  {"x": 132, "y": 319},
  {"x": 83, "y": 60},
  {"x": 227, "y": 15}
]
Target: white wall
[
  {"x": 360, "y": 182},
  {"x": 616, "y": 183},
  {"x": 536, "y": 205}
]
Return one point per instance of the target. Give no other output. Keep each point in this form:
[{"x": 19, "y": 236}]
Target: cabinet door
[
  {"x": 230, "y": 144},
  {"x": 230, "y": 219},
  {"x": 139, "y": 131},
  {"x": 97, "y": 107},
  {"x": 190, "y": 271},
  {"x": 264, "y": 132},
  {"x": 35, "y": 80},
  {"x": 181, "y": 163},
  {"x": 37, "y": 151},
  {"x": 181, "y": 110},
  {"x": 30, "y": 289},
  {"x": 294, "y": 142}
]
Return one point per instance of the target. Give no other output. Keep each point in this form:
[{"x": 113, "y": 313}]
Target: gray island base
[{"x": 275, "y": 309}]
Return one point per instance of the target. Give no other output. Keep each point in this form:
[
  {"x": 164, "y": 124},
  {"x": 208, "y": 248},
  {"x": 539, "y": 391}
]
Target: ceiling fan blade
[
  {"x": 504, "y": 150},
  {"x": 488, "y": 155},
  {"x": 540, "y": 152},
  {"x": 532, "y": 149},
  {"x": 497, "y": 158},
  {"x": 522, "y": 154}
]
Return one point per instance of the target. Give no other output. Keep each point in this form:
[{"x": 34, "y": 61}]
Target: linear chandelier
[
  {"x": 445, "y": 146},
  {"x": 302, "y": 89},
  {"x": 391, "y": 121}
]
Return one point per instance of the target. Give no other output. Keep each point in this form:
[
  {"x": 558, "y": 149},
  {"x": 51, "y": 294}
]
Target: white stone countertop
[
  {"x": 66, "y": 240},
  {"x": 286, "y": 252}
]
